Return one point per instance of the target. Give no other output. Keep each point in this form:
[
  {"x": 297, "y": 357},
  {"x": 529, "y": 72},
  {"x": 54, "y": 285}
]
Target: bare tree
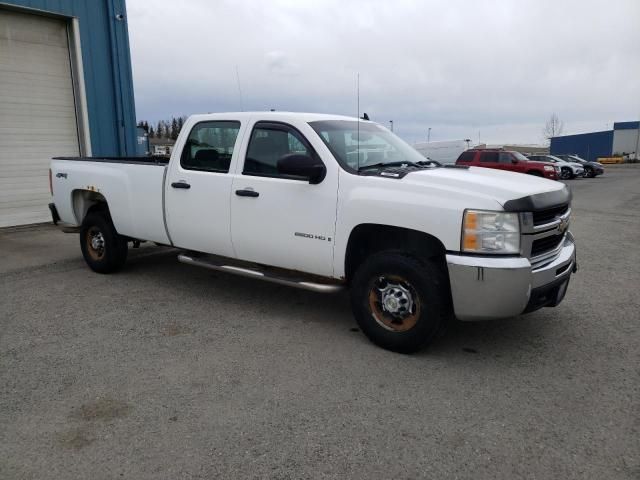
[{"x": 553, "y": 127}]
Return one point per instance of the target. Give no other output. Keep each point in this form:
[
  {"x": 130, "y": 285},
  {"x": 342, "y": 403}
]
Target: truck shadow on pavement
[{"x": 293, "y": 309}]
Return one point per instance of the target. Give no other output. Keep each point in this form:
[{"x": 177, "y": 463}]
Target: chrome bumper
[{"x": 484, "y": 287}]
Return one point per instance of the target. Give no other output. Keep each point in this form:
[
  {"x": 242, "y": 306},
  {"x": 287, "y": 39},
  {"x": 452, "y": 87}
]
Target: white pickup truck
[{"x": 325, "y": 202}]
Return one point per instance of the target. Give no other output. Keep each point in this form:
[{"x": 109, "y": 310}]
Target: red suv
[{"x": 504, "y": 160}]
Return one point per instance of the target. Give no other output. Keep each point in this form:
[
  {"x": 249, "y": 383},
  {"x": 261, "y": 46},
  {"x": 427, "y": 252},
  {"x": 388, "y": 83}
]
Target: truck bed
[{"x": 133, "y": 187}]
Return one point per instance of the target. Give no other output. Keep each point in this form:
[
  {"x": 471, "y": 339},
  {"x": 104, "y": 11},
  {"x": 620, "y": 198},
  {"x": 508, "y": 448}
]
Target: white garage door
[{"x": 37, "y": 113}]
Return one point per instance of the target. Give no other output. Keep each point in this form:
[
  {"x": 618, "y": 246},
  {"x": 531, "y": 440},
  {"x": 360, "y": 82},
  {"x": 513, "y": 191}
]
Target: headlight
[
  {"x": 549, "y": 168},
  {"x": 490, "y": 232}
]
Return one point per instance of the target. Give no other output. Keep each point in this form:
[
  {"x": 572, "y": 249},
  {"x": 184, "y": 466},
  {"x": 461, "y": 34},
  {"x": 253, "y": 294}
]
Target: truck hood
[{"x": 486, "y": 183}]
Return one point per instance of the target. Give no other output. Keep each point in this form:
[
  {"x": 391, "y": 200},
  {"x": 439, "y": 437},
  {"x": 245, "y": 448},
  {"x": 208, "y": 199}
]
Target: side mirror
[
  {"x": 514, "y": 160},
  {"x": 303, "y": 167}
]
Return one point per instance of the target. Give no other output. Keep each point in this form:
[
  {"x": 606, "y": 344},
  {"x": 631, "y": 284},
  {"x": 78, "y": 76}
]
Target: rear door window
[
  {"x": 489, "y": 157},
  {"x": 210, "y": 146},
  {"x": 505, "y": 157}
]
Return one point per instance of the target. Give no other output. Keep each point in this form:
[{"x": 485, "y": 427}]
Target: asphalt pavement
[{"x": 166, "y": 371}]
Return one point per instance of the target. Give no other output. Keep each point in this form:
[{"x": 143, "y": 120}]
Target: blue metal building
[
  {"x": 66, "y": 89},
  {"x": 624, "y": 139},
  {"x": 589, "y": 146}
]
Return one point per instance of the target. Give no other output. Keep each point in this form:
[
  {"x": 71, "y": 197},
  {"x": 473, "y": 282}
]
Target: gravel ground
[{"x": 166, "y": 371}]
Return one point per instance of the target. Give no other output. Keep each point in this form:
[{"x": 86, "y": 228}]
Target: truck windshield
[{"x": 365, "y": 146}]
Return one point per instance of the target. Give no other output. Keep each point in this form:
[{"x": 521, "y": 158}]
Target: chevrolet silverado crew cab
[
  {"x": 506, "y": 160},
  {"x": 326, "y": 202}
]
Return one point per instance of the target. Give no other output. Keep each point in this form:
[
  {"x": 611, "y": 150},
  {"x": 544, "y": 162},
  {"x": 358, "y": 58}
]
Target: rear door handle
[
  {"x": 247, "y": 193},
  {"x": 181, "y": 185}
]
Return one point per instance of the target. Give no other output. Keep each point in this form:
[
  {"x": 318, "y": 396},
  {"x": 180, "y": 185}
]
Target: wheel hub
[
  {"x": 97, "y": 241},
  {"x": 396, "y": 299},
  {"x": 394, "y": 303}
]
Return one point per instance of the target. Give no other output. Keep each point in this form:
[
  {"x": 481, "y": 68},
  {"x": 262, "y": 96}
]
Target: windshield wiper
[
  {"x": 389, "y": 164},
  {"x": 429, "y": 162}
]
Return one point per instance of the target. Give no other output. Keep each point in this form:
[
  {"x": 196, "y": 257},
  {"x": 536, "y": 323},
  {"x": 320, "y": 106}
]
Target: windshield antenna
[
  {"x": 239, "y": 88},
  {"x": 358, "y": 120}
]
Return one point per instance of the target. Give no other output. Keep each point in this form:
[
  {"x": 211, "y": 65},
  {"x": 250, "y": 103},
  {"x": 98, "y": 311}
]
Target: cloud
[{"x": 501, "y": 67}]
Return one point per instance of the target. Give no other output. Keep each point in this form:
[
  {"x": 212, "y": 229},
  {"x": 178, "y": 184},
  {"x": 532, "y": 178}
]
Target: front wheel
[
  {"x": 589, "y": 173},
  {"x": 565, "y": 173},
  {"x": 400, "y": 302},
  {"x": 104, "y": 250}
]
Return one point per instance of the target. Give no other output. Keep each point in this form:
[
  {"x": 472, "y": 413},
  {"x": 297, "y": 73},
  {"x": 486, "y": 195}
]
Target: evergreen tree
[
  {"x": 180, "y": 123},
  {"x": 160, "y": 129},
  {"x": 174, "y": 128},
  {"x": 152, "y": 133}
]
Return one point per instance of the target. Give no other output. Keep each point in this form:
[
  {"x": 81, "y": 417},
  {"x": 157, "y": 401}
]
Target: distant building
[
  {"x": 443, "y": 152},
  {"x": 623, "y": 140},
  {"x": 528, "y": 149},
  {"x": 161, "y": 146},
  {"x": 142, "y": 142}
]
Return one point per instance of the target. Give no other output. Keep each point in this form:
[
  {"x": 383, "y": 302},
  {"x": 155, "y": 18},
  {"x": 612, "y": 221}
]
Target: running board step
[{"x": 219, "y": 264}]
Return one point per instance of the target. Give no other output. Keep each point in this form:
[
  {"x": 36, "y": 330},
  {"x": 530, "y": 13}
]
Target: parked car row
[
  {"x": 561, "y": 167},
  {"x": 591, "y": 169}
]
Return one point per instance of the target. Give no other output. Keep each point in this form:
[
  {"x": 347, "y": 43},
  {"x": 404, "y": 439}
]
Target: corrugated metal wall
[
  {"x": 626, "y": 138},
  {"x": 107, "y": 69},
  {"x": 589, "y": 146}
]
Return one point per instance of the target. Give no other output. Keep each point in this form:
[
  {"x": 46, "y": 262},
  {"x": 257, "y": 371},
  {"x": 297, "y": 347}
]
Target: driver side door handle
[{"x": 247, "y": 193}]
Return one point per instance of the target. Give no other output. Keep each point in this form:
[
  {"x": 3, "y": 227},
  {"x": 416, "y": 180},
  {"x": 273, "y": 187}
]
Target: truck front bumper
[{"x": 484, "y": 287}]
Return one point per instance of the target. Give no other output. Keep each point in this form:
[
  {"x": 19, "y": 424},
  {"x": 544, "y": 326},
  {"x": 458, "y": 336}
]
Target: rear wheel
[
  {"x": 588, "y": 172},
  {"x": 400, "y": 302},
  {"x": 103, "y": 249}
]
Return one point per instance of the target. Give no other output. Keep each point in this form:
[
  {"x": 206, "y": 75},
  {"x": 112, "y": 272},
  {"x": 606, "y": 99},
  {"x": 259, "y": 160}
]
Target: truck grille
[
  {"x": 546, "y": 244},
  {"x": 549, "y": 215}
]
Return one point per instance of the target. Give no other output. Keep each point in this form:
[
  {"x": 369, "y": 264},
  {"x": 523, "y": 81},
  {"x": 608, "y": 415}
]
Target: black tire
[
  {"x": 566, "y": 174},
  {"x": 394, "y": 272},
  {"x": 589, "y": 172},
  {"x": 104, "y": 250},
  {"x": 535, "y": 173}
]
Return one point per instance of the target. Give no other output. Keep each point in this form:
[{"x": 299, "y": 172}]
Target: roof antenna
[
  {"x": 239, "y": 89},
  {"x": 358, "y": 120}
]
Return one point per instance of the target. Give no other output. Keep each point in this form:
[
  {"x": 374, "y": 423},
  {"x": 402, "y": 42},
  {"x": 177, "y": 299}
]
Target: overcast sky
[{"x": 460, "y": 67}]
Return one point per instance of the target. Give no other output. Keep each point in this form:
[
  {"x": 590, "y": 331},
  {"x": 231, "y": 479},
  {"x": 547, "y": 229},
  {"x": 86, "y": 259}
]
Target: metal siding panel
[
  {"x": 97, "y": 56},
  {"x": 626, "y": 125},
  {"x": 625, "y": 141},
  {"x": 589, "y": 146}
]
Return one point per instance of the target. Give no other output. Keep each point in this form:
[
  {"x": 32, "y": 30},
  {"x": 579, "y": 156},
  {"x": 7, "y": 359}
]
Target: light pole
[
  {"x": 391, "y": 123},
  {"x": 468, "y": 140},
  {"x": 428, "y": 134},
  {"x": 638, "y": 143}
]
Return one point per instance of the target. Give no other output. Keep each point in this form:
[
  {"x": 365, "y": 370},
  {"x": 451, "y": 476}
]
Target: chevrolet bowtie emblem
[{"x": 563, "y": 225}]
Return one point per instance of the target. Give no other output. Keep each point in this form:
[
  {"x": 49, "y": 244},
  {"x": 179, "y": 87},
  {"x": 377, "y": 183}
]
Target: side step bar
[{"x": 219, "y": 265}]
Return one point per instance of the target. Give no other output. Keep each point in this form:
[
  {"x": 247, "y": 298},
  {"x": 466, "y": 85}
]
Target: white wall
[{"x": 625, "y": 141}]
